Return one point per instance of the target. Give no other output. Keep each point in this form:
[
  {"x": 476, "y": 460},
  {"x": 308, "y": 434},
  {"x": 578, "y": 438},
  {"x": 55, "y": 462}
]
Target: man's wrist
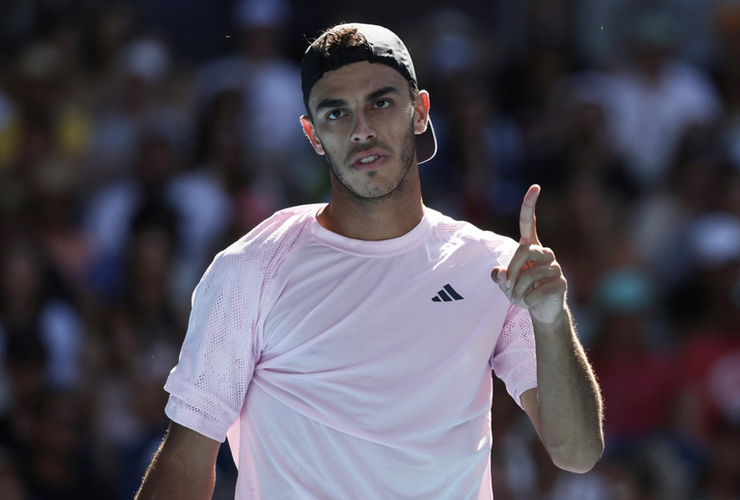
[{"x": 561, "y": 323}]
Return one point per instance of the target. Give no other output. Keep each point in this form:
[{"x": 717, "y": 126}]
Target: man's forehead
[{"x": 356, "y": 78}]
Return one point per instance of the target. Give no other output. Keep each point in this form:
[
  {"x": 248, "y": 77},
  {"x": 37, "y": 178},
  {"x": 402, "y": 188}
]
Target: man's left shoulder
[{"x": 466, "y": 232}]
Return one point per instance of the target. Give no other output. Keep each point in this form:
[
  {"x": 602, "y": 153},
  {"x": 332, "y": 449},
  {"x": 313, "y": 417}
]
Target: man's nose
[{"x": 363, "y": 130}]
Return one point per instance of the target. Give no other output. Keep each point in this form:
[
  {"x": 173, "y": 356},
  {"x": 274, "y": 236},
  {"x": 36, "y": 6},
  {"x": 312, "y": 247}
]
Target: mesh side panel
[
  {"x": 222, "y": 343},
  {"x": 514, "y": 360}
]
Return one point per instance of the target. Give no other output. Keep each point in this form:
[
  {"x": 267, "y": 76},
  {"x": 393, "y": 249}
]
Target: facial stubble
[{"x": 381, "y": 193}]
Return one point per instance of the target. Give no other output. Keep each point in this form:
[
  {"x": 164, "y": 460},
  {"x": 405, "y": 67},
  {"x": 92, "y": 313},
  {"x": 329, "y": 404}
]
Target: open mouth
[{"x": 368, "y": 160}]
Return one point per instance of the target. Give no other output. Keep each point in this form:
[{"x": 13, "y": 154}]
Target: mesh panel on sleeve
[
  {"x": 194, "y": 418},
  {"x": 222, "y": 343},
  {"x": 514, "y": 360}
]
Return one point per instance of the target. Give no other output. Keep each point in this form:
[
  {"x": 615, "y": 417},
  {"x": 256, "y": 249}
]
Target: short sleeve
[
  {"x": 209, "y": 384},
  {"x": 514, "y": 358}
]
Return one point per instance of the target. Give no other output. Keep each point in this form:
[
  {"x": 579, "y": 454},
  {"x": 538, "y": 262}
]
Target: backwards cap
[{"x": 381, "y": 46}]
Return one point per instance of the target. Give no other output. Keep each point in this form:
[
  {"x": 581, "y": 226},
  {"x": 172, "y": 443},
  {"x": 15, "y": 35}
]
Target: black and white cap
[{"x": 382, "y": 46}]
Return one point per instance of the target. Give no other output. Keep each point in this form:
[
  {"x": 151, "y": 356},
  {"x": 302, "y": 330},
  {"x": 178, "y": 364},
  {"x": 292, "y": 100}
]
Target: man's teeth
[{"x": 368, "y": 159}]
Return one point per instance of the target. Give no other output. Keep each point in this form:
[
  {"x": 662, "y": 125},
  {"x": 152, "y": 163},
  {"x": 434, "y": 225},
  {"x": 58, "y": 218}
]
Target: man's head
[{"x": 351, "y": 43}]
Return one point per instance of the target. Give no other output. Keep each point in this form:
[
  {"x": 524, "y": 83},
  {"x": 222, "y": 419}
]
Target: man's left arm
[{"x": 566, "y": 407}]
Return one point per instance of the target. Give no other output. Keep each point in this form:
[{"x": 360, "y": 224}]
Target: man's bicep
[{"x": 209, "y": 383}]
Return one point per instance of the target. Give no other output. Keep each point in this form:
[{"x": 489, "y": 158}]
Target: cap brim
[{"x": 426, "y": 144}]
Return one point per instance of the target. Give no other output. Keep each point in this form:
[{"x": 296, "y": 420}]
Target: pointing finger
[{"x": 527, "y": 219}]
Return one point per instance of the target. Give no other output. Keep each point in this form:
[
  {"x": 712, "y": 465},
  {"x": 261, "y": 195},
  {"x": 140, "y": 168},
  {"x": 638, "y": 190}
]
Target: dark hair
[
  {"x": 333, "y": 40},
  {"x": 340, "y": 38}
]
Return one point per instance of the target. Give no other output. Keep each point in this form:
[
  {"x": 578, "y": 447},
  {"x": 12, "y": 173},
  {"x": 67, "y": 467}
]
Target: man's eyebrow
[
  {"x": 338, "y": 103},
  {"x": 381, "y": 92},
  {"x": 330, "y": 103}
]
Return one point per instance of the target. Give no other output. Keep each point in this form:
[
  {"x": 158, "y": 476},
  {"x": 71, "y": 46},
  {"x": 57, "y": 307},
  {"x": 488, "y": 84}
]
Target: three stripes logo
[{"x": 447, "y": 294}]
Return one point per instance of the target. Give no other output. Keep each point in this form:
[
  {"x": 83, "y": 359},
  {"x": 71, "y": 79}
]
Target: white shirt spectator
[{"x": 648, "y": 118}]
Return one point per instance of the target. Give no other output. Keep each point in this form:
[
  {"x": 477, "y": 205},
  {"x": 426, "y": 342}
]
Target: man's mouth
[{"x": 368, "y": 159}]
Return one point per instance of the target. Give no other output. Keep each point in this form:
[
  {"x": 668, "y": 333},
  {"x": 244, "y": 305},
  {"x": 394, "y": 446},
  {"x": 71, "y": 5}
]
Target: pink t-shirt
[{"x": 342, "y": 368}]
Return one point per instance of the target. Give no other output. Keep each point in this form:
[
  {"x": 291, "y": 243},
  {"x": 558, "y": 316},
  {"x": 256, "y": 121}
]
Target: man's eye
[
  {"x": 383, "y": 103},
  {"x": 333, "y": 115}
]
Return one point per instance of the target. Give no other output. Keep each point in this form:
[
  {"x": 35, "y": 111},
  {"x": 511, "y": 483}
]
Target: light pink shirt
[{"x": 341, "y": 368}]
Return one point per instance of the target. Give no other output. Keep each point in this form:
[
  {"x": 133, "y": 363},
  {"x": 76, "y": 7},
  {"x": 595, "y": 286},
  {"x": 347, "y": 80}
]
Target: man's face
[{"x": 364, "y": 120}]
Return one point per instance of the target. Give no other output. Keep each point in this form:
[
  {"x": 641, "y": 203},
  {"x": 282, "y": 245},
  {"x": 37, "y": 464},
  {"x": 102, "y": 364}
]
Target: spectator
[
  {"x": 30, "y": 308},
  {"x": 196, "y": 200},
  {"x": 131, "y": 96},
  {"x": 275, "y": 154},
  {"x": 59, "y": 464},
  {"x": 654, "y": 98},
  {"x": 691, "y": 191},
  {"x": 634, "y": 368},
  {"x": 709, "y": 309}
]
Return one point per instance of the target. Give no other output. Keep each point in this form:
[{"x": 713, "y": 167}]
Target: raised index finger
[{"x": 527, "y": 219}]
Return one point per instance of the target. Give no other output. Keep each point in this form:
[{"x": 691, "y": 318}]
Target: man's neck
[{"x": 380, "y": 221}]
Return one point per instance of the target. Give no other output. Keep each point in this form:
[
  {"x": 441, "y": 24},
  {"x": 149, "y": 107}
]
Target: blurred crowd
[{"x": 130, "y": 153}]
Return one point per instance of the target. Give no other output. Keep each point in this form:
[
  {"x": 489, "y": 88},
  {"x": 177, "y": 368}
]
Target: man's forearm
[
  {"x": 570, "y": 406},
  {"x": 181, "y": 470},
  {"x": 167, "y": 479}
]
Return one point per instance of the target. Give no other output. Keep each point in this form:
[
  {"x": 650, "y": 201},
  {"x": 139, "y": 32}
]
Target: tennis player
[{"x": 346, "y": 349}]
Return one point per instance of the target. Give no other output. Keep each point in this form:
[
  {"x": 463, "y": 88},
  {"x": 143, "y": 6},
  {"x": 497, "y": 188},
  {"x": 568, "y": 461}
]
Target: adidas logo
[{"x": 447, "y": 294}]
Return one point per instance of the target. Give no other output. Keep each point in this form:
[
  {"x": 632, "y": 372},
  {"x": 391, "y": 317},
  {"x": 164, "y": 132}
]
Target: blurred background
[{"x": 139, "y": 137}]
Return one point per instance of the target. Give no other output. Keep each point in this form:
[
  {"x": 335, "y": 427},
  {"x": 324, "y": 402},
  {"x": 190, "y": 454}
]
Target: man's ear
[
  {"x": 310, "y": 132},
  {"x": 421, "y": 112}
]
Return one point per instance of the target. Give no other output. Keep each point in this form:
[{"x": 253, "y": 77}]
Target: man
[{"x": 346, "y": 348}]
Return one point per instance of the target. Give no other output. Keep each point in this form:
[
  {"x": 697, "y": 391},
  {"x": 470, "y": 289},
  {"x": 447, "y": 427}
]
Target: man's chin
[{"x": 367, "y": 193}]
